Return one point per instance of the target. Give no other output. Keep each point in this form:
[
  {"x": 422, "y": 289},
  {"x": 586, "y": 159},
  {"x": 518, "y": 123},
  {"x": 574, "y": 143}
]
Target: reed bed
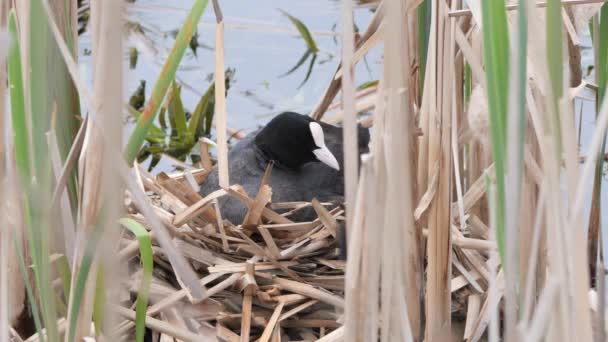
[{"x": 476, "y": 214}]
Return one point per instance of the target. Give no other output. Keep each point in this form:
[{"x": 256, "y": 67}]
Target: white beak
[{"x": 326, "y": 157}]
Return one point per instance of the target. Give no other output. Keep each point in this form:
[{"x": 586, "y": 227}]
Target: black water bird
[{"x": 308, "y": 163}]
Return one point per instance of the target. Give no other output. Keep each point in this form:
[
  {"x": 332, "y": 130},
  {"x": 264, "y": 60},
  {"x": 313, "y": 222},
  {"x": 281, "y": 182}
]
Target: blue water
[{"x": 261, "y": 44}]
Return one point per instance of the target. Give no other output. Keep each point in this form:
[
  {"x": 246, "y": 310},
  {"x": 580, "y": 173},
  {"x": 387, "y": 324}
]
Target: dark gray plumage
[{"x": 310, "y": 179}]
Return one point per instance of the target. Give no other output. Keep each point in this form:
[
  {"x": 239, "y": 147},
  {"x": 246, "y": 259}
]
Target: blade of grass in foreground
[
  {"x": 496, "y": 57},
  {"x": 81, "y": 281},
  {"x": 164, "y": 81},
  {"x": 38, "y": 212},
  {"x": 145, "y": 251},
  {"x": 424, "y": 13},
  {"x": 38, "y": 95},
  {"x": 15, "y": 77}
]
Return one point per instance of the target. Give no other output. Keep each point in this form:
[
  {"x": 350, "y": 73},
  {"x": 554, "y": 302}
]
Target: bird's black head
[{"x": 292, "y": 140}]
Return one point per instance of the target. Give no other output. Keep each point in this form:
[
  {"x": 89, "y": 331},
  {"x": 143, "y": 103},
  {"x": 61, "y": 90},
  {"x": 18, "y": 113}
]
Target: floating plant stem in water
[{"x": 310, "y": 53}]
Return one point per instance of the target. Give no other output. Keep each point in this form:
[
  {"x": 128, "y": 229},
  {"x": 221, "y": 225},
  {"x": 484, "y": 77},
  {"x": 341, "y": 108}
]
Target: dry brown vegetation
[{"x": 462, "y": 223}]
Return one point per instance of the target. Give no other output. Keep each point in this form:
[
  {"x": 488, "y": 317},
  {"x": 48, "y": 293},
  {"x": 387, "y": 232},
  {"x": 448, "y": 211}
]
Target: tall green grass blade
[
  {"x": 496, "y": 57},
  {"x": 38, "y": 213},
  {"x": 602, "y": 46},
  {"x": 555, "y": 57},
  {"x": 17, "y": 95},
  {"x": 81, "y": 280},
  {"x": 145, "y": 251},
  {"x": 467, "y": 83},
  {"x": 303, "y": 30},
  {"x": 39, "y": 93},
  {"x": 162, "y": 84},
  {"x": 424, "y": 13},
  {"x": 67, "y": 28},
  {"x": 99, "y": 300}
]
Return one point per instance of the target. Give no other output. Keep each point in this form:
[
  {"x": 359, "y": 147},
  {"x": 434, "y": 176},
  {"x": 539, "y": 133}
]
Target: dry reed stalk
[
  {"x": 373, "y": 196},
  {"x": 220, "y": 227},
  {"x": 220, "y": 100},
  {"x": 514, "y": 172},
  {"x": 69, "y": 164},
  {"x": 384, "y": 199},
  {"x": 354, "y": 286},
  {"x": 536, "y": 329},
  {"x": 401, "y": 234},
  {"x": 534, "y": 265},
  {"x": 438, "y": 90},
  {"x": 271, "y": 323},
  {"x": 350, "y": 135},
  {"x": 250, "y": 287},
  {"x": 254, "y": 213},
  {"x": 473, "y": 307},
  {"x": 457, "y": 119}
]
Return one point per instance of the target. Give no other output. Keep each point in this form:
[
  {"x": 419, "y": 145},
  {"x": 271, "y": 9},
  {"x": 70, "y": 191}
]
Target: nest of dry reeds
[{"x": 265, "y": 278}]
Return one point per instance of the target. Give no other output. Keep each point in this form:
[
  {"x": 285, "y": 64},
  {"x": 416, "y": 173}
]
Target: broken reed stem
[{"x": 437, "y": 108}]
